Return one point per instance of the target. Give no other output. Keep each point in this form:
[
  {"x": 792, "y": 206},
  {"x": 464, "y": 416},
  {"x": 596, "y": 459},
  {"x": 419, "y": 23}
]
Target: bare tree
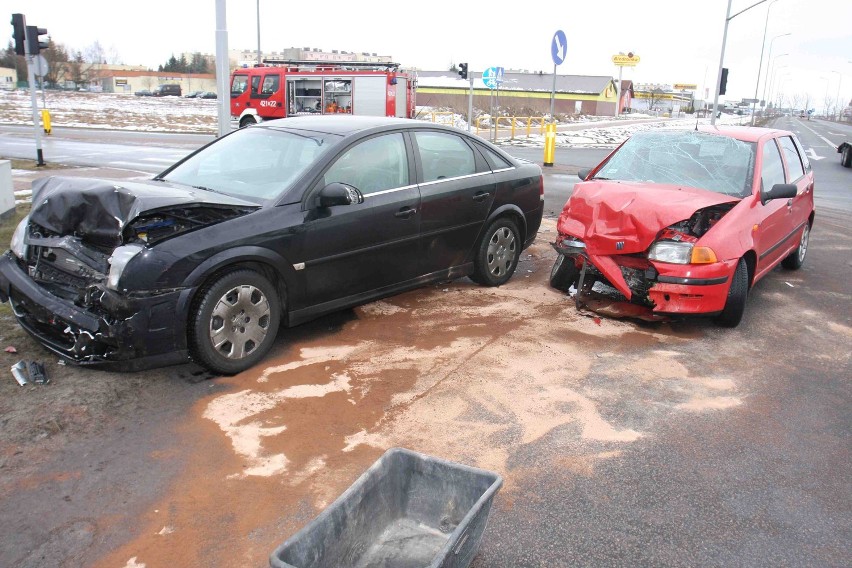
[
  {"x": 655, "y": 96},
  {"x": 56, "y": 57},
  {"x": 796, "y": 101},
  {"x": 829, "y": 106}
]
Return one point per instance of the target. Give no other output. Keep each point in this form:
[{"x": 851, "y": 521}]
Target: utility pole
[
  {"x": 222, "y": 69},
  {"x": 258, "y": 33}
]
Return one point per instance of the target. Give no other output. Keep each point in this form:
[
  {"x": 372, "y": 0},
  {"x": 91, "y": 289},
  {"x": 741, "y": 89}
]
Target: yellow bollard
[
  {"x": 45, "y": 119},
  {"x": 550, "y": 144}
]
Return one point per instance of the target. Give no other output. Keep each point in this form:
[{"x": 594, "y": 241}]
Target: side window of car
[
  {"x": 802, "y": 154},
  {"x": 794, "y": 162},
  {"x": 495, "y": 160},
  {"x": 270, "y": 84},
  {"x": 255, "y": 81},
  {"x": 772, "y": 171},
  {"x": 373, "y": 165},
  {"x": 444, "y": 156}
]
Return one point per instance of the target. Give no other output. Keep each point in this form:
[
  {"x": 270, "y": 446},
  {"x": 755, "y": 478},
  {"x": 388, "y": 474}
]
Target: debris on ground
[
  {"x": 11, "y": 349},
  {"x": 26, "y": 372}
]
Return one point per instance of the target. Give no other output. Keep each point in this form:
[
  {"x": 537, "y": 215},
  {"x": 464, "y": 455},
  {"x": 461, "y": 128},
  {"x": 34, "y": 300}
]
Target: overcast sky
[{"x": 678, "y": 41}]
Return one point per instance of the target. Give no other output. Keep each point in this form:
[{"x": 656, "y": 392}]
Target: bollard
[
  {"x": 549, "y": 144},
  {"x": 45, "y": 119}
]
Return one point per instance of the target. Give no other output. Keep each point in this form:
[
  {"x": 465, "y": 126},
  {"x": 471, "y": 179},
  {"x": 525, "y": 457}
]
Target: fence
[{"x": 512, "y": 124}]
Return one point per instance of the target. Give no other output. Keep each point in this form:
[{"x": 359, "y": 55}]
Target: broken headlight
[
  {"x": 18, "y": 245},
  {"x": 676, "y": 252},
  {"x": 119, "y": 259}
]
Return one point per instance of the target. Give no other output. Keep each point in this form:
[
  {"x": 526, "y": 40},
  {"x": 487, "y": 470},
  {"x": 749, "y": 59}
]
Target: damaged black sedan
[{"x": 270, "y": 225}]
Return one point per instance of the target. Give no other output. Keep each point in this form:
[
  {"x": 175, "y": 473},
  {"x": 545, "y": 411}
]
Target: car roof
[
  {"x": 744, "y": 133},
  {"x": 345, "y": 124}
]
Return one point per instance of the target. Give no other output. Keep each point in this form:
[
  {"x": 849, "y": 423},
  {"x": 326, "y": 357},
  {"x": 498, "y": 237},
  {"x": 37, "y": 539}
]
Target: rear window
[{"x": 694, "y": 159}]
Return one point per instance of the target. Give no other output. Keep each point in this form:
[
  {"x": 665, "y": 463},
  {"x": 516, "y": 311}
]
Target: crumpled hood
[
  {"x": 100, "y": 209},
  {"x": 603, "y": 213}
]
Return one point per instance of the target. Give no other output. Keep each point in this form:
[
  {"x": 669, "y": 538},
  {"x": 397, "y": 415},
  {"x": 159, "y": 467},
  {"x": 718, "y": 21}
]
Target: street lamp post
[
  {"x": 728, "y": 18},
  {"x": 825, "y": 100},
  {"x": 772, "y": 80},
  {"x": 760, "y": 64},
  {"x": 837, "y": 98},
  {"x": 767, "y": 78}
]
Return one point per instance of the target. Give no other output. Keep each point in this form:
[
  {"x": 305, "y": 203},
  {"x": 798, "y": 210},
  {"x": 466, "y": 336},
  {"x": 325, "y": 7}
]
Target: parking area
[{"x": 619, "y": 442}]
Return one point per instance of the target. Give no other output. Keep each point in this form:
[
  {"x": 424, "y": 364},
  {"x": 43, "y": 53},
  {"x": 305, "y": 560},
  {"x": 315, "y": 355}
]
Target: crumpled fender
[{"x": 625, "y": 218}]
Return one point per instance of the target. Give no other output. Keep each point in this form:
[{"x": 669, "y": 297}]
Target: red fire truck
[{"x": 282, "y": 88}]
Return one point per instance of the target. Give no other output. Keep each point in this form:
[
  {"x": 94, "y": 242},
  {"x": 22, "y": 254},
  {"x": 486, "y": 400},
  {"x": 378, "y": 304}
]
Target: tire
[
  {"x": 497, "y": 253},
  {"x": 242, "y": 294},
  {"x": 737, "y": 296},
  {"x": 247, "y": 121},
  {"x": 564, "y": 273},
  {"x": 795, "y": 259},
  {"x": 846, "y": 157}
]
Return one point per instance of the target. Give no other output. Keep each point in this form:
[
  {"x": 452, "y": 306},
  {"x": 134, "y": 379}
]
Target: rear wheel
[
  {"x": 846, "y": 157},
  {"x": 234, "y": 322},
  {"x": 497, "y": 254},
  {"x": 247, "y": 121},
  {"x": 795, "y": 259},
  {"x": 737, "y": 296},
  {"x": 564, "y": 273}
]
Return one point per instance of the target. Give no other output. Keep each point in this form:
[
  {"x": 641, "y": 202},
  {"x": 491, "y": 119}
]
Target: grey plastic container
[{"x": 408, "y": 510}]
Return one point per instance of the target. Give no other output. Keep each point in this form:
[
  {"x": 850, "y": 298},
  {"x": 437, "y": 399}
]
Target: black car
[
  {"x": 144, "y": 93},
  {"x": 207, "y": 95},
  {"x": 274, "y": 224}
]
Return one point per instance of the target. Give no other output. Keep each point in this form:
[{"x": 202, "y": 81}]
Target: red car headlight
[{"x": 676, "y": 252}]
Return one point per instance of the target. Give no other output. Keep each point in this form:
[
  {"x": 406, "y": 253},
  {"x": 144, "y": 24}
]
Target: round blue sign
[{"x": 559, "y": 47}]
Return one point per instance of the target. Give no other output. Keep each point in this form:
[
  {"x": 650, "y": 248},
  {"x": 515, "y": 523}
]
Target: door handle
[
  {"x": 482, "y": 196},
  {"x": 405, "y": 212}
]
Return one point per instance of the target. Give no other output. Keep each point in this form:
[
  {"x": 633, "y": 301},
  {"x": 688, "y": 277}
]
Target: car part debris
[
  {"x": 19, "y": 371},
  {"x": 26, "y": 372}
]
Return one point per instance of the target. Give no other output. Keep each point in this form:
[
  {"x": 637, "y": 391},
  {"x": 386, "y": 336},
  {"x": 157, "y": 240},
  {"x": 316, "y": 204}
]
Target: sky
[{"x": 677, "y": 41}]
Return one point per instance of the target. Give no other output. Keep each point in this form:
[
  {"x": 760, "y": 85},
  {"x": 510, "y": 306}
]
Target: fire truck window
[
  {"x": 255, "y": 81},
  {"x": 376, "y": 164},
  {"x": 444, "y": 156},
  {"x": 239, "y": 84},
  {"x": 270, "y": 84}
]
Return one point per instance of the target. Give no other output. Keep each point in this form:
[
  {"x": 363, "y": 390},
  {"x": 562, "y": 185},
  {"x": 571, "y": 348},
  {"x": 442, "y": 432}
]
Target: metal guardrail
[{"x": 512, "y": 124}]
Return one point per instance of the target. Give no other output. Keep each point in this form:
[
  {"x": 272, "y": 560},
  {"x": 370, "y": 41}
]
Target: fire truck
[{"x": 282, "y": 88}]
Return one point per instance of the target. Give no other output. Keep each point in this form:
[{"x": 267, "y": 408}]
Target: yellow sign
[
  {"x": 629, "y": 60},
  {"x": 684, "y": 87}
]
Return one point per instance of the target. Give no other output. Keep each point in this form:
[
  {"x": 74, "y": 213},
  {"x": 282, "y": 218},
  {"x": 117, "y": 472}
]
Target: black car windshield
[
  {"x": 256, "y": 163},
  {"x": 695, "y": 159}
]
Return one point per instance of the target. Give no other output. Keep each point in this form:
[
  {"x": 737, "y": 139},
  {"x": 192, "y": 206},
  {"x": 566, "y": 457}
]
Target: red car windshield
[{"x": 694, "y": 159}]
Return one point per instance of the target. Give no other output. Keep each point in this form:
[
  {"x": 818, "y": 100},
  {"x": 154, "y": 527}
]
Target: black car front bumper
[{"x": 125, "y": 333}]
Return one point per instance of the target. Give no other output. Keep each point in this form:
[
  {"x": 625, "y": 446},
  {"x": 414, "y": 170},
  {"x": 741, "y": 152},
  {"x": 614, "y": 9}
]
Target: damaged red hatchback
[{"x": 686, "y": 222}]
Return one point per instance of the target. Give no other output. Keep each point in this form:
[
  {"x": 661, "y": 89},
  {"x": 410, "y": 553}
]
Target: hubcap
[
  {"x": 501, "y": 251},
  {"x": 239, "y": 322},
  {"x": 803, "y": 244}
]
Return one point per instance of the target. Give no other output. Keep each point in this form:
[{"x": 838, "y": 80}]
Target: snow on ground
[{"x": 177, "y": 114}]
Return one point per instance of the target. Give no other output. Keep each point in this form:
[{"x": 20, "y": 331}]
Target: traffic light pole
[
  {"x": 33, "y": 101},
  {"x": 470, "y": 102}
]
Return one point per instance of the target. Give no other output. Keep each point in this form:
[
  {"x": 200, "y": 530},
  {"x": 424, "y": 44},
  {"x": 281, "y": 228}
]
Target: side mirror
[
  {"x": 337, "y": 193},
  {"x": 779, "y": 191},
  {"x": 583, "y": 174}
]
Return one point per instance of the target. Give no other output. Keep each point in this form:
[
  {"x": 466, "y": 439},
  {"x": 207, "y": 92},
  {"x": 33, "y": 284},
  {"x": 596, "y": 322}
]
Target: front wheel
[
  {"x": 497, "y": 254},
  {"x": 795, "y": 259},
  {"x": 737, "y": 296},
  {"x": 247, "y": 120},
  {"x": 234, "y": 323}
]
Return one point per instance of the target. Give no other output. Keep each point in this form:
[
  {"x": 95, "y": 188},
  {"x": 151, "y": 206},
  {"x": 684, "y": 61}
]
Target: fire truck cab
[{"x": 279, "y": 88}]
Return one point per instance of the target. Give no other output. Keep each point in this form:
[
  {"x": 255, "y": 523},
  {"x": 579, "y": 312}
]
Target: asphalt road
[{"x": 620, "y": 444}]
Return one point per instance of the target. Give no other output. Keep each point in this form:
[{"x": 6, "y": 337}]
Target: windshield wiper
[
  {"x": 596, "y": 177},
  {"x": 205, "y": 188}
]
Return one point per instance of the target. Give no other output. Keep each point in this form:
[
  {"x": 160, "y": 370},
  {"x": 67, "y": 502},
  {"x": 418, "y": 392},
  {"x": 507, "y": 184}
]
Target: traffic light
[
  {"x": 723, "y": 84},
  {"x": 19, "y": 23},
  {"x": 463, "y": 70},
  {"x": 34, "y": 42}
]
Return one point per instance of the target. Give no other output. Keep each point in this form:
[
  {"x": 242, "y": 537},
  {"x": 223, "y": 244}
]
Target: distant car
[
  {"x": 166, "y": 91},
  {"x": 686, "y": 222},
  {"x": 207, "y": 95},
  {"x": 845, "y": 151},
  {"x": 193, "y": 94},
  {"x": 274, "y": 224},
  {"x": 143, "y": 93}
]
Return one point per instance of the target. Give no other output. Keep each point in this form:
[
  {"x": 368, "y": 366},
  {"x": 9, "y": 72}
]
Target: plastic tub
[{"x": 408, "y": 510}]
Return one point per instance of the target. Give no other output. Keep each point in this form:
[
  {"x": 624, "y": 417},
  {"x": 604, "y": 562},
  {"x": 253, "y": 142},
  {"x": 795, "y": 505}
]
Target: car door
[
  {"x": 799, "y": 173},
  {"x": 354, "y": 250},
  {"x": 774, "y": 216},
  {"x": 457, "y": 189}
]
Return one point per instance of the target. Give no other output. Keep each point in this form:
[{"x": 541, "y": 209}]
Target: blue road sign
[
  {"x": 559, "y": 47},
  {"x": 493, "y": 77}
]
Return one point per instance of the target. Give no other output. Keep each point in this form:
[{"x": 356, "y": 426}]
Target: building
[
  {"x": 8, "y": 78},
  {"x": 248, "y": 57},
  {"x": 658, "y": 97},
  {"x": 522, "y": 93},
  {"x": 117, "y": 81}
]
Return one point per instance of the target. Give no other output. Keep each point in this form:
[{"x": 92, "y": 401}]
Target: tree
[
  {"x": 11, "y": 60},
  {"x": 76, "y": 73},
  {"x": 57, "y": 63},
  {"x": 655, "y": 96},
  {"x": 199, "y": 64}
]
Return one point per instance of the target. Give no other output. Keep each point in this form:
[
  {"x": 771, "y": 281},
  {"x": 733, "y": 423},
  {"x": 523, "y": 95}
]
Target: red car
[{"x": 686, "y": 222}]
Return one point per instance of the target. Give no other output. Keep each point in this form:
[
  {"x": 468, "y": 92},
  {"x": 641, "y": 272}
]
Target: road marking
[
  {"x": 832, "y": 144},
  {"x": 159, "y": 160},
  {"x": 813, "y": 155}
]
